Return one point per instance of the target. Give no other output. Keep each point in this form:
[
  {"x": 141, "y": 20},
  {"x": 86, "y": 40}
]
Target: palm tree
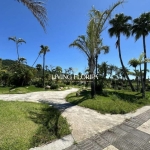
[
  {"x": 120, "y": 25},
  {"x": 44, "y": 50},
  {"x": 22, "y": 60},
  {"x": 37, "y": 58},
  {"x": 38, "y": 10},
  {"x": 85, "y": 44},
  {"x": 141, "y": 28},
  {"x": 39, "y": 69},
  {"x": 90, "y": 43},
  {"x": 17, "y": 41},
  {"x": 110, "y": 70},
  {"x": 106, "y": 50},
  {"x": 134, "y": 63}
]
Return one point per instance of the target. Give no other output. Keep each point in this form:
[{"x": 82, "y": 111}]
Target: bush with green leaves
[
  {"x": 54, "y": 86},
  {"x": 21, "y": 76}
]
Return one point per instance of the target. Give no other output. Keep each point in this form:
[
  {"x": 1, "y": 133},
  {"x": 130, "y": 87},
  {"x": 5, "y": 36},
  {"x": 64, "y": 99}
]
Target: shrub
[
  {"x": 38, "y": 83},
  {"x": 62, "y": 85},
  {"x": 54, "y": 86}
]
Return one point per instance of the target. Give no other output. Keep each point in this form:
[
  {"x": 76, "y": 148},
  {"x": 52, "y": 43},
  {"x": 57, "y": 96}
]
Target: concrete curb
[{"x": 57, "y": 145}]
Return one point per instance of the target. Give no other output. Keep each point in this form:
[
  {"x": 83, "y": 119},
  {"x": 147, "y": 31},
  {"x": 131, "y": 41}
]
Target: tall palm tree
[
  {"x": 141, "y": 28},
  {"x": 120, "y": 25},
  {"x": 38, "y": 10},
  {"x": 37, "y": 58},
  {"x": 85, "y": 44},
  {"x": 90, "y": 43},
  {"x": 44, "y": 50},
  {"x": 17, "y": 41}
]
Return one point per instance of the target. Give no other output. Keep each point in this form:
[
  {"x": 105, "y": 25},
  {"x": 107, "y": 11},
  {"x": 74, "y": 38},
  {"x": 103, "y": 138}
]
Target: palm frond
[
  {"x": 38, "y": 9},
  {"x": 21, "y": 41},
  {"x": 12, "y": 38}
]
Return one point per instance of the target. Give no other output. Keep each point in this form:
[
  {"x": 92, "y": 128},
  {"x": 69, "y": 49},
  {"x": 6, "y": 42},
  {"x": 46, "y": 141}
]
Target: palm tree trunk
[
  {"x": 145, "y": 63},
  {"x": 17, "y": 50},
  {"x": 131, "y": 86},
  {"x": 43, "y": 70},
  {"x": 142, "y": 82},
  {"x": 35, "y": 60},
  {"x": 96, "y": 72},
  {"x": 92, "y": 68}
]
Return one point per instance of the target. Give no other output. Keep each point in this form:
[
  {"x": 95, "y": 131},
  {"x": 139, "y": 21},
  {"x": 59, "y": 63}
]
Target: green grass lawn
[
  {"x": 110, "y": 101},
  {"x": 24, "y": 125},
  {"x": 19, "y": 90},
  {"x": 27, "y": 89}
]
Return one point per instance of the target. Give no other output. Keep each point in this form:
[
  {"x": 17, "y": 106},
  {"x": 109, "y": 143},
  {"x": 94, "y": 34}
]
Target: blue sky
[{"x": 67, "y": 19}]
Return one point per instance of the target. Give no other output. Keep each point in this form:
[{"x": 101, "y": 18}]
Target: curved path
[{"x": 84, "y": 122}]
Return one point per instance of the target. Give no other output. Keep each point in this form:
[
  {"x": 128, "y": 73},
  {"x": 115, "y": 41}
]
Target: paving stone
[
  {"x": 131, "y": 124},
  {"x": 111, "y": 147},
  {"x": 140, "y": 121},
  {"x": 125, "y": 127},
  {"x": 100, "y": 141},
  {"x": 109, "y": 136},
  {"x": 118, "y": 131},
  {"x": 122, "y": 144},
  {"x": 144, "y": 116},
  {"x": 136, "y": 141},
  {"x": 146, "y": 146},
  {"x": 145, "y": 127},
  {"x": 89, "y": 145},
  {"x": 140, "y": 134}
]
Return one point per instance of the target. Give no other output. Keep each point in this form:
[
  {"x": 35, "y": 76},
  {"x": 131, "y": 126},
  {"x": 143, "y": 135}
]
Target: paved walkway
[
  {"x": 133, "y": 134},
  {"x": 84, "y": 122}
]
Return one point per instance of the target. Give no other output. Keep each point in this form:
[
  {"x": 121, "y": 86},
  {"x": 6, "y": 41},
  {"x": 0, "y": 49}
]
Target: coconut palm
[
  {"x": 141, "y": 28},
  {"x": 38, "y": 10},
  {"x": 17, "y": 41},
  {"x": 120, "y": 25},
  {"x": 44, "y": 50}
]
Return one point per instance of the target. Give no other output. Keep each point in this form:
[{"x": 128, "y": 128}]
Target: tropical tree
[
  {"x": 22, "y": 60},
  {"x": 110, "y": 70},
  {"x": 38, "y": 10},
  {"x": 134, "y": 63},
  {"x": 37, "y": 57},
  {"x": 91, "y": 43},
  {"x": 105, "y": 49},
  {"x": 120, "y": 25},
  {"x": 141, "y": 28},
  {"x": 17, "y": 41},
  {"x": 44, "y": 50},
  {"x": 58, "y": 70},
  {"x": 1, "y": 63}
]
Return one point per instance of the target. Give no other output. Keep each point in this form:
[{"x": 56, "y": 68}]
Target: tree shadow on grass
[
  {"x": 133, "y": 98},
  {"x": 84, "y": 95},
  {"x": 52, "y": 125}
]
